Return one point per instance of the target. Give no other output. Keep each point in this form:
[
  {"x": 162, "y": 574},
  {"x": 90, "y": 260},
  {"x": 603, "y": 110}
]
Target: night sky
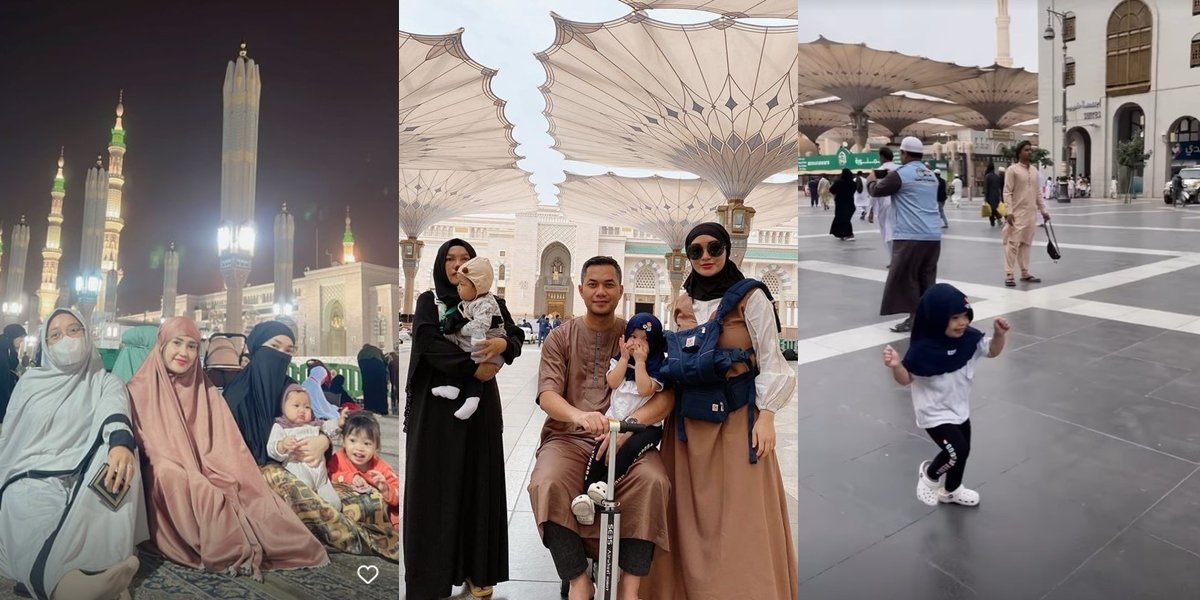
[{"x": 327, "y": 127}]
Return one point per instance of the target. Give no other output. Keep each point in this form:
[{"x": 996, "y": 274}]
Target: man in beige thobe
[
  {"x": 1023, "y": 201},
  {"x": 574, "y": 392}
]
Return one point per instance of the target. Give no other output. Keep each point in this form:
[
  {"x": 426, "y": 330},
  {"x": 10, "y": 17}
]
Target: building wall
[{"x": 1172, "y": 94}]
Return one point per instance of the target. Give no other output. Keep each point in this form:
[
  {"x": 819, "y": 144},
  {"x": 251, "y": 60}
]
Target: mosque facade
[{"x": 537, "y": 257}]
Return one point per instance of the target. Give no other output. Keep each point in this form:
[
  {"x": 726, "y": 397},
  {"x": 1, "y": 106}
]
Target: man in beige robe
[
  {"x": 574, "y": 392},
  {"x": 1023, "y": 201}
]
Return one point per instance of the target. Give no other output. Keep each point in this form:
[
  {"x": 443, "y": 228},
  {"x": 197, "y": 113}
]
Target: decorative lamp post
[
  {"x": 676, "y": 265},
  {"x": 1063, "y": 168},
  {"x": 736, "y": 217},
  {"x": 87, "y": 292},
  {"x": 410, "y": 260}
]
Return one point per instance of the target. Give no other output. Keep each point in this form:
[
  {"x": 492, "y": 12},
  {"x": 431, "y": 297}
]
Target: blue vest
[{"x": 915, "y": 205}]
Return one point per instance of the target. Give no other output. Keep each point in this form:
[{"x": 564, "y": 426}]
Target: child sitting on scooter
[{"x": 633, "y": 377}]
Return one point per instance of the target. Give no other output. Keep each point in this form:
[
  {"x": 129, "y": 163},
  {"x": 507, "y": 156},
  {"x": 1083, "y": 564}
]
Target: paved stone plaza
[
  {"x": 1086, "y": 439},
  {"x": 531, "y": 571}
]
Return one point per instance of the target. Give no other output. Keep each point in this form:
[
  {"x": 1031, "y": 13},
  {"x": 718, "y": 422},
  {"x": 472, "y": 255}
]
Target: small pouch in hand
[{"x": 111, "y": 500}]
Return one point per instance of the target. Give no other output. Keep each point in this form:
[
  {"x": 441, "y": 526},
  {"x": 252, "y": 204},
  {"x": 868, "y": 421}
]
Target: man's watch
[{"x": 632, "y": 420}]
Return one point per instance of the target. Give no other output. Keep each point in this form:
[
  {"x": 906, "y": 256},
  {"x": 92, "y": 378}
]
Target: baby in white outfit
[
  {"x": 481, "y": 310},
  {"x": 297, "y": 424}
]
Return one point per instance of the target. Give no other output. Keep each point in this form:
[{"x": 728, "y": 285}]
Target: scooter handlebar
[{"x": 615, "y": 426}]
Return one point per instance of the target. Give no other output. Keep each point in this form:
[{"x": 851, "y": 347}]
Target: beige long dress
[{"x": 730, "y": 533}]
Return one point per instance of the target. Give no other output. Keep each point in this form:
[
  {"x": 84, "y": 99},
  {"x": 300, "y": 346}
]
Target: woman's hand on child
[
  {"x": 121, "y": 469},
  {"x": 1000, "y": 326},
  {"x": 891, "y": 359},
  {"x": 312, "y": 450},
  {"x": 486, "y": 371}
]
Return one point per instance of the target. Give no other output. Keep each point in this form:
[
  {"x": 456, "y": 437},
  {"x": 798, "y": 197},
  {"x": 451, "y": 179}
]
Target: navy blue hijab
[
  {"x": 654, "y": 337},
  {"x": 931, "y": 352}
]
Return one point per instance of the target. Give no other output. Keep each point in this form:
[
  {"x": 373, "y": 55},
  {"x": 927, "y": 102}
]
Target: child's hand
[
  {"x": 1000, "y": 327},
  {"x": 625, "y": 350},
  {"x": 342, "y": 417},
  {"x": 360, "y": 485},
  {"x": 286, "y": 445},
  {"x": 640, "y": 351},
  {"x": 378, "y": 480},
  {"x": 890, "y": 358}
]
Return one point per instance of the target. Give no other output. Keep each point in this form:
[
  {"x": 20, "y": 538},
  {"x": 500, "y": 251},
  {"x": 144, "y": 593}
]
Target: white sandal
[
  {"x": 584, "y": 509},
  {"x": 961, "y": 496},
  {"x": 928, "y": 490}
]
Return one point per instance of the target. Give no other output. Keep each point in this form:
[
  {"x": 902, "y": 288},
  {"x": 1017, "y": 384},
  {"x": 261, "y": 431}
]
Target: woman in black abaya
[
  {"x": 455, "y": 512},
  {"x": 374, "y": 379},
  {"x": 843, "y": 206},
  {"x": 10, "y": 361}
]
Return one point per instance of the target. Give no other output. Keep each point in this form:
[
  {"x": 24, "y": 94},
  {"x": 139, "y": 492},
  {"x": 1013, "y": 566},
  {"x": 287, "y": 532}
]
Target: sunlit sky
[{"x": 504, "y": 35}]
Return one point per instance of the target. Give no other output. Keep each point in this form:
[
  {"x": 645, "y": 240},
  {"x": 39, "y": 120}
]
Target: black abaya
[
  {"x": 455, "y": 511},
  {"x": 843, "y": 209},
  {"x": 374, "y": 379}
]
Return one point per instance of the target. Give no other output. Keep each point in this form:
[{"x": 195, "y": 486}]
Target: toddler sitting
[
  {"x": 481, "y": 311},
  {"x": 297, "y": 424},
  {"x": 357, "y": 463}
]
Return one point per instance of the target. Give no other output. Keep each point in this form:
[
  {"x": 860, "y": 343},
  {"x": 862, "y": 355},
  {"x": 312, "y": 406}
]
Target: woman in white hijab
[{"x": 66, "y": 421}]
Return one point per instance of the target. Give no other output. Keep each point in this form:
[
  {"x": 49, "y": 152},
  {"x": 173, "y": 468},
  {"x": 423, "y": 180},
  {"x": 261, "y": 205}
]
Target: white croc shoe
[
  {"x": 598, "y": 491},
  {"x": 584, "y": 509},
  {"x": 928, "y": 490},
  {"x": 961, "y": 496}
]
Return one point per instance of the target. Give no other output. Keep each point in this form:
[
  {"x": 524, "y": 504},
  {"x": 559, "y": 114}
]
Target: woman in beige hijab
[{"x": 209, "y": 507}]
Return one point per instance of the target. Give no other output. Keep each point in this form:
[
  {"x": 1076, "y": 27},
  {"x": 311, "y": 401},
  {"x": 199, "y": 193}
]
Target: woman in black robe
[
  {"x": 374, "y": 379},
  {"x": 455, "y": 512},
  {"x": 10, "y": 361},
  {"x": 843, "y": 206}
]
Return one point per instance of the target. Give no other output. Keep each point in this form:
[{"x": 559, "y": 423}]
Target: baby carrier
[{"x": 698, "y": 367}]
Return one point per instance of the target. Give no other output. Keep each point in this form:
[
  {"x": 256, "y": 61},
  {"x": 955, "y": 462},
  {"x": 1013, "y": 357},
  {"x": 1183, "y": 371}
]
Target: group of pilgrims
[
  {"x": 703, "y": 507},
  {"x": 97, "y": 466}
]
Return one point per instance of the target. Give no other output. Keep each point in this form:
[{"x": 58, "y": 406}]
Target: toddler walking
[
  {"x": 358, "y": 466},
  {"x": 633, "y": 377},
  {"x": 483, "y": 320},
  {"x": 939, "y": 365},
  {"x": 296, "y": 425}
]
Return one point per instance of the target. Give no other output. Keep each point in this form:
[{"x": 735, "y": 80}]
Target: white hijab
[{"x": 56, "y": 415}]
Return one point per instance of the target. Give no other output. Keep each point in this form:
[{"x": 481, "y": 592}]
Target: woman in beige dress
[{"x": 728, "y": 522}]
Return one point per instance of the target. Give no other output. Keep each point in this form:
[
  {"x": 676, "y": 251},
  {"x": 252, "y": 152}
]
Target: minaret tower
[
  {"x": 52, "y": 252},
  {"x": 15, "y": 307},
  {"x": 170, "y": 281},
  {"x": 348, "y": 241},
  {"x": 1002, "y": 38},
  {"x": 239, "y": 164},
  {"x": 285, "y": 261},
  {"x": 113, "y": 223}
]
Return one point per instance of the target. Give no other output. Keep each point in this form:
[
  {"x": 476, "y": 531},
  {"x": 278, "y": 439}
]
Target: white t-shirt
[
  {"x": 946, "y": 398},
  {"x": 625, "y": 399}
]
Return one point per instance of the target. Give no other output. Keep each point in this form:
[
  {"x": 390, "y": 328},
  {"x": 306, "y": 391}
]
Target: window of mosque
[
  {"x": 1187, "y": 130},
  {"x": 1069, "y": 72},
  {"x": 644, "y": 278},
  {"x": 1069, "y": 27},
  {"x": 501, "y": 275},
  {"x": 1128, "y": 48},
  {"x": 771, "y": 280},
  {"x": 1196, "y": 49}
]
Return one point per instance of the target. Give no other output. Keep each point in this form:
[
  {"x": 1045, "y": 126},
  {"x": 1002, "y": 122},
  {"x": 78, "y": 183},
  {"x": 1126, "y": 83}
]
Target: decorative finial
[
  {"x": 285, "y": 207},
  {"x": 61, "y": 150},
  {"x": 99, "y": 164},
  {"x": 120, "y": 103},
  {"x": 347, "y": 217},
  {"x": 172, "y": 246},
  {"x": 242, "y": 52},
  {"x": 22, "y": 220}
]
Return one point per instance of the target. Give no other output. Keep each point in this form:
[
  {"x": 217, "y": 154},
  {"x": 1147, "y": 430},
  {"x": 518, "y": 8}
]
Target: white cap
[
  {"x": 912, "y": 144},
  {"x": 937, "y": 171}
]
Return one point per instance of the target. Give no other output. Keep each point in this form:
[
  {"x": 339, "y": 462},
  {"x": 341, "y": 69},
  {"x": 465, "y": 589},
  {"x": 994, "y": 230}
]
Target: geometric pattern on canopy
[
  {"x": 782, "y": 9},
  {"x": 664, "y": 207},
  {"x": 428, "y": 196},
  {"x": 449, "y": 117},
  {"x": 859, "y": 75},
  {"x": 993, "y": 94},
  {"x": 896, "y": 112},
  {"x": 715, "y": 99}
]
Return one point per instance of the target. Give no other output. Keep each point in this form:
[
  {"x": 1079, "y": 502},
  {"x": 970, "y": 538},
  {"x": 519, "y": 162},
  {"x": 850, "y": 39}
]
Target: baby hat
[{"x": 479, "y": 271}]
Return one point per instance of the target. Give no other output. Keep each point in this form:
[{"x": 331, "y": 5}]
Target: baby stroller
[{"x": 224, "y": 358}]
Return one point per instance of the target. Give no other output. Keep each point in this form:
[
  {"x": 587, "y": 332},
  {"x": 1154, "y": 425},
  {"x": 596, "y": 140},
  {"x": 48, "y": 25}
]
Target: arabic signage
[
  {"x": 855, "y": 161},
  {"x": 1186, "y": 150}
]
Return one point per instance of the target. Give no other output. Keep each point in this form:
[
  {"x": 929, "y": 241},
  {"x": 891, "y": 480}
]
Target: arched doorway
[
  {"x": 555, "y": 290},
  {"x": 1129, "y": 123},
  {"x": 1080, "y": 143},
  {"x": 333, "y": 339},
  {"x": 1183, "y": 142}
]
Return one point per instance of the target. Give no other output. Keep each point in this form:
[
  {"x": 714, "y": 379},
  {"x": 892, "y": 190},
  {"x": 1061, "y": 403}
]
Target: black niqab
[
  {"x": 704, "y": 288},
  {"x": 255, "y": 396}
]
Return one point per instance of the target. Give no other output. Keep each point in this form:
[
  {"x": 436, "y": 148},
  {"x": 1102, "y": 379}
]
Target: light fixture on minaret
[
  {"x": 89, "y": 281},
  {"x": 348, "y": 241},
  {"x": 285, "y": 242},
  {"x": 239, "y": 164},
  {"x": 170, "y": 281}
]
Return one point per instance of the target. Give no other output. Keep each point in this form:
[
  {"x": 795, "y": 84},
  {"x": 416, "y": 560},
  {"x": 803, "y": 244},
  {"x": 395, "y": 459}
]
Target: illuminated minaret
[
  {"x": 1002, "y": 39},
  {"x": 239, "y": 163},
  {"x": 347, "y": 241},
  {"x": 170, "y": 281},
  {"x": 88, "y": 282},
  {"x": 109, "y": 262},
  {"x": 14, "y": 306},
  {"x": 285, "y": 253},
  {"x": 52, "y": 252}
]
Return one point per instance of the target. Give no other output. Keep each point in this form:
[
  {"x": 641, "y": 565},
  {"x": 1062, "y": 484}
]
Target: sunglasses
[{"x": 715, "y": 248}]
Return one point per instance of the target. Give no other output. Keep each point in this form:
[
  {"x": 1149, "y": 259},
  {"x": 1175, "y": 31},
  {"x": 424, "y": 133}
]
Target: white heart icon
[{"x": 371, "y": 570}]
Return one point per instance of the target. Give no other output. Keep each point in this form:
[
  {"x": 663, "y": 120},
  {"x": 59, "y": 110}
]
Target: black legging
[
  {"x": 955, "y": 441},
  {"x": 633, "y": 448}
]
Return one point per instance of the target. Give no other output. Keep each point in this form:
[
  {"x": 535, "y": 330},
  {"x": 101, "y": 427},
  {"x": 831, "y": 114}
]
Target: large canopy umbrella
[
  {"x": 815, "y": 119},
  {"x": 895, "y": 112},
  {"x": 927, "y": 132},
  {"x": 666, "y": 208},
  {"x": 993, "y": 94},
  {"x": 975, "y": 120},
  {"x": 784, "y": 9},
  {"x": 449, "y": 116},
  {"x": 428, "y": 196},
  {"x": 715, "y": 99},
  {"x": 859, "y": 75}
]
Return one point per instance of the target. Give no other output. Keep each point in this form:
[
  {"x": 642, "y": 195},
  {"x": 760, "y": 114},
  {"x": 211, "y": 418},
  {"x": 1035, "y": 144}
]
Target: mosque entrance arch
[
  {"x": 555, "y": 291},
  {"x": 333, "y": 339},
  {"x": 1080, "y": 143}
]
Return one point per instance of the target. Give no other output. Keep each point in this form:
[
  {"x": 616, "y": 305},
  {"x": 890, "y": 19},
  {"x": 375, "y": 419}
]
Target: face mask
[{"x": 68, "y": 352}]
